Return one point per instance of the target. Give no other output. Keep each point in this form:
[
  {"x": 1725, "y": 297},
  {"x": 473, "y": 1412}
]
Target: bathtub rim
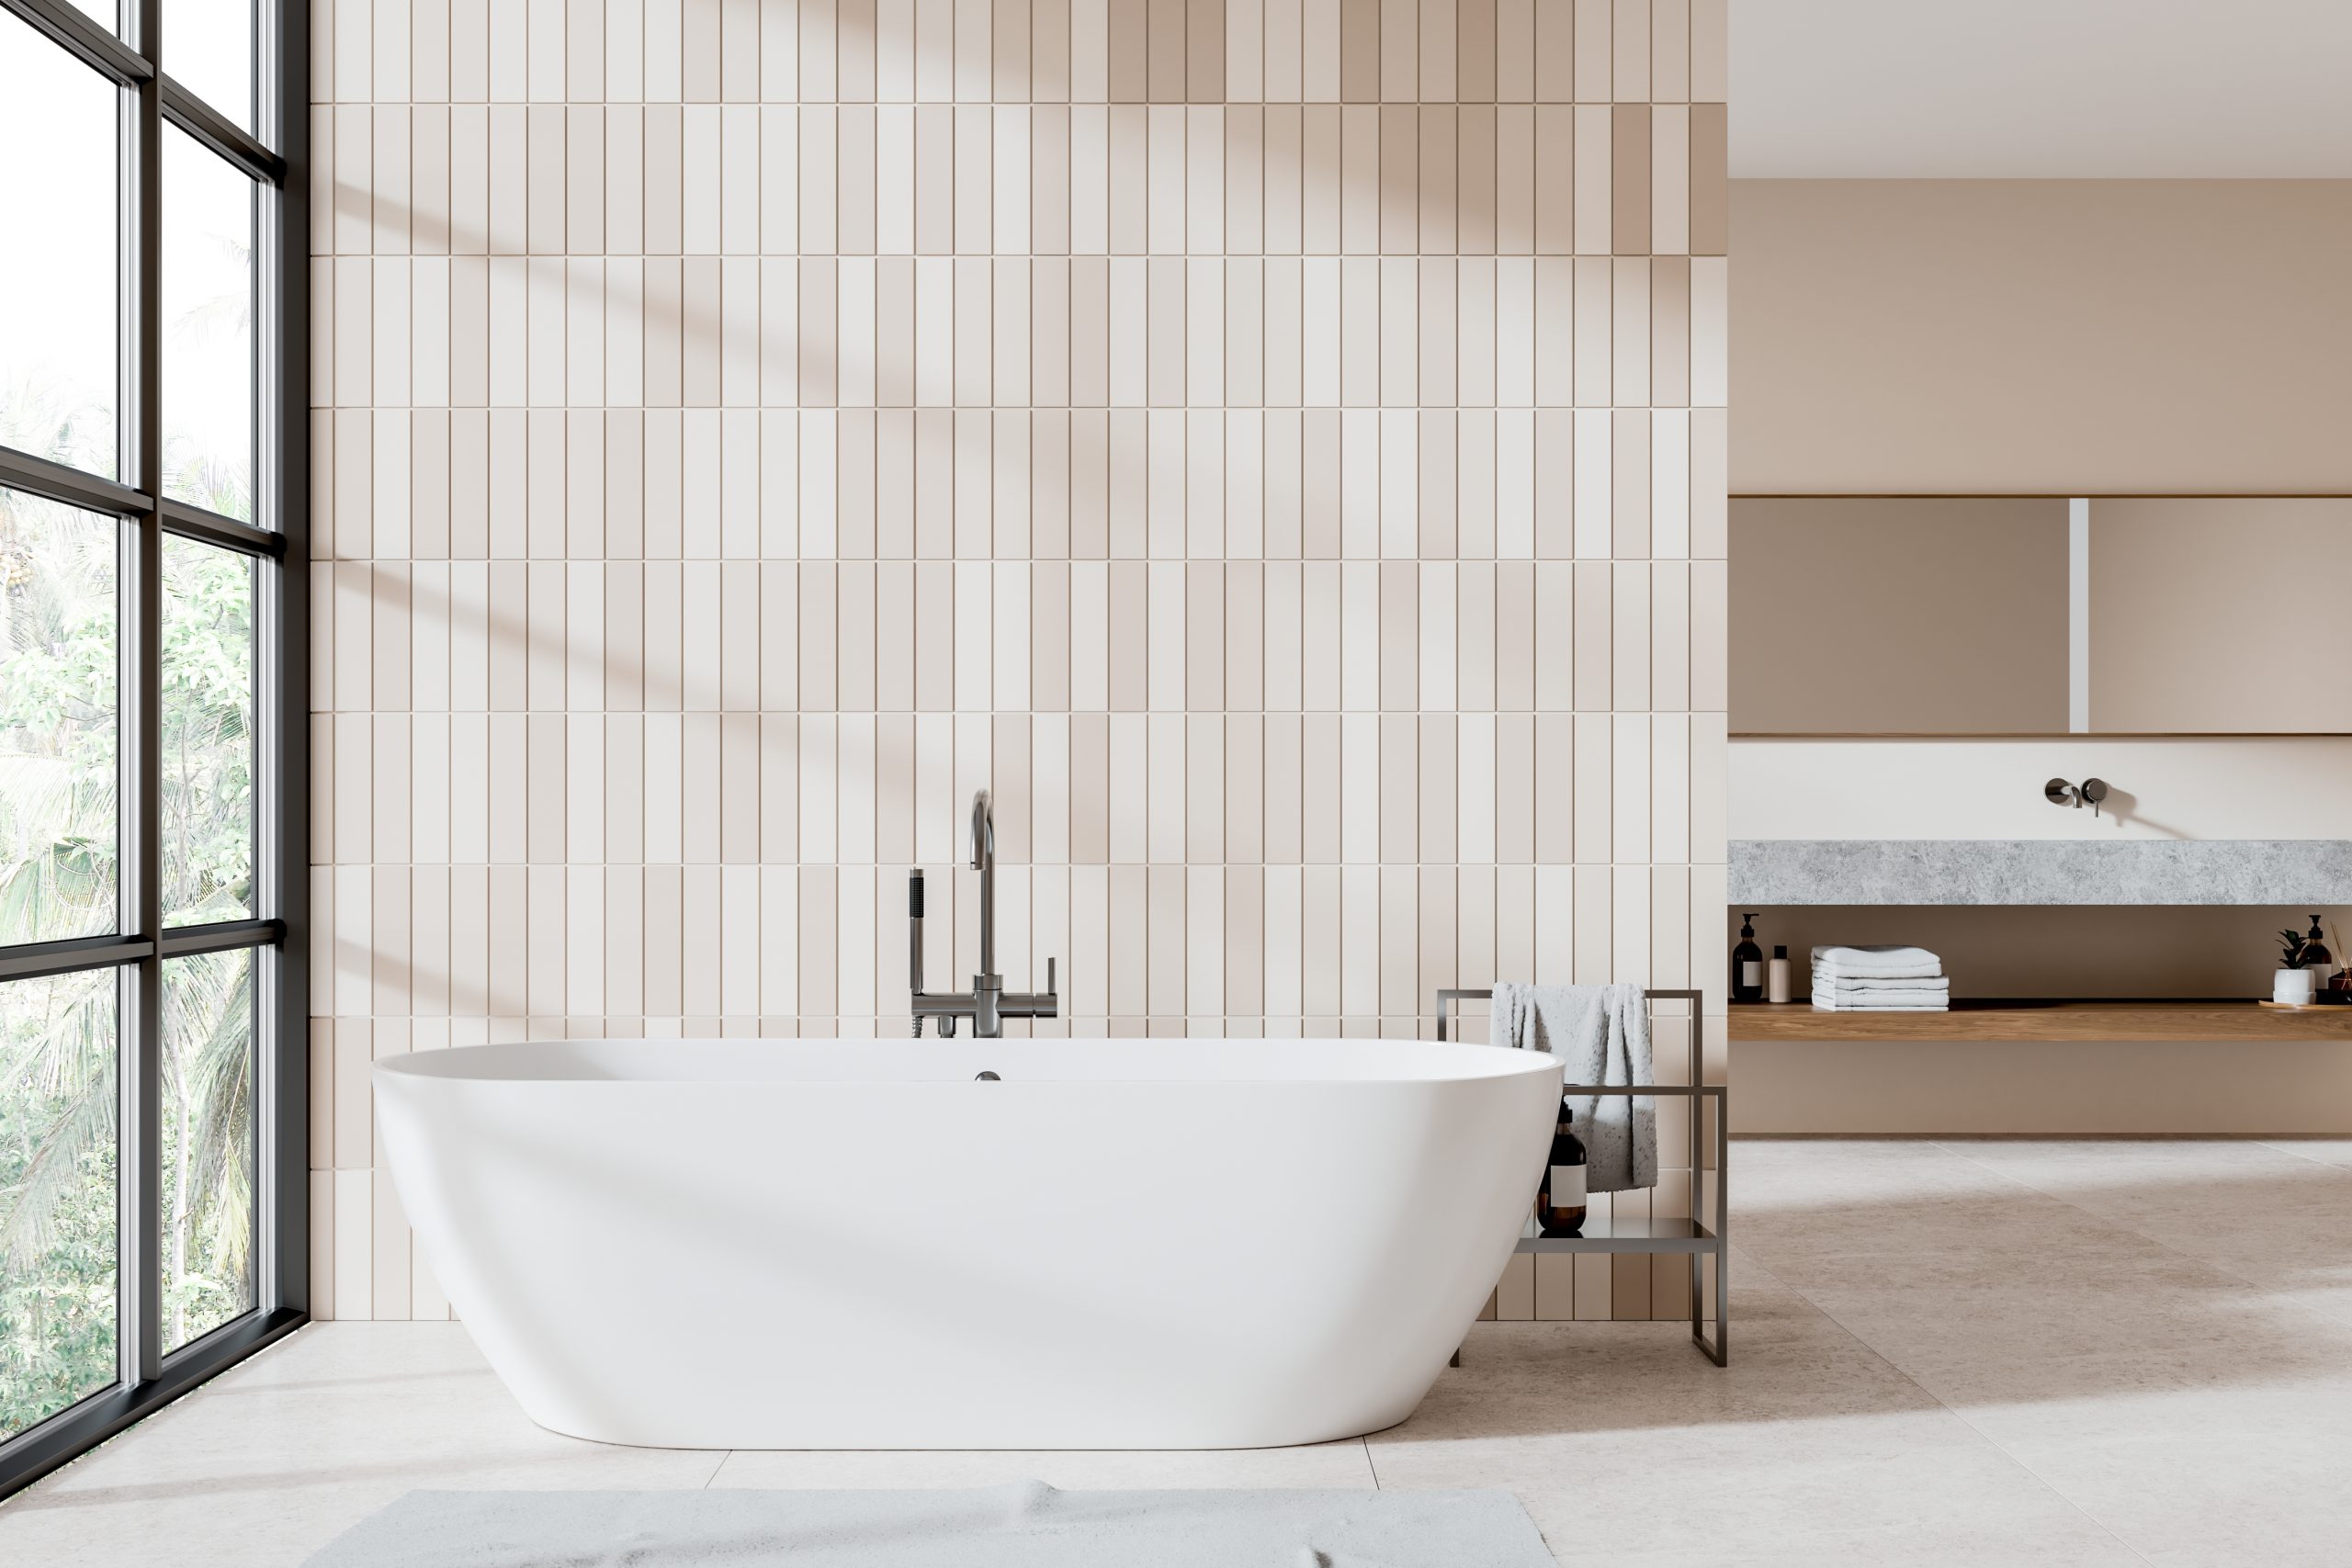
[{"x": 500, "y": 1063}]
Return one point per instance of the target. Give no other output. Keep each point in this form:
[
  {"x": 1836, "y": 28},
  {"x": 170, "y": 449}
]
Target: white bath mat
[{"x": 1026, "y": 1526}]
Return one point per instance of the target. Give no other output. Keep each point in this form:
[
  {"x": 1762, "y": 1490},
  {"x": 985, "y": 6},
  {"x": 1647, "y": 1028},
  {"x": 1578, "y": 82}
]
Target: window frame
[{"x": 277, "y": 161}]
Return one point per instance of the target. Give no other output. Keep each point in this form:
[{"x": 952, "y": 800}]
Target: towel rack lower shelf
[{"x": 1702, "y": 1234}]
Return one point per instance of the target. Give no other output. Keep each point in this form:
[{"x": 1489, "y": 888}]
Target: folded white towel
[
  {"x": 1880, "y": 954},
  {"x": 1823, "y": 981},
  {"x": 1891, "y": 961},
  {"x": 1846, "y": 978},
  {"x": 1881, "y": 1002}
]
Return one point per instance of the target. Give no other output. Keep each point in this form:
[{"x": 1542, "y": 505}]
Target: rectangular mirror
[
  {"x": 2218, "y": 615},
  {"x": 1898, "y": 616}
]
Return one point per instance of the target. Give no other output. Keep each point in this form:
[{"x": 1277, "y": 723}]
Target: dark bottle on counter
[
  {"x": 2317, "y": 958},
  {"x": 1747, "y": 964},
  {"x": 1560, "y": 1200}
]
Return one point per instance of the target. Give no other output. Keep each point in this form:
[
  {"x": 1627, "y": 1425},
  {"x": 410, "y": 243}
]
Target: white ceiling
[{"x": 2049, "y": 89}]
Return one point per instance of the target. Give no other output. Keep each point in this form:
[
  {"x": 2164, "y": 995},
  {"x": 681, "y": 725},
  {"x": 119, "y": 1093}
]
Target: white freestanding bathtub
[{"x": 855, "y": 1243}]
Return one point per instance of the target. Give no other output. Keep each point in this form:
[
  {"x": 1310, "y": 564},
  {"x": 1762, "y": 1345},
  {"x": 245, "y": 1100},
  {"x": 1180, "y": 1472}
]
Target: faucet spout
[
  {"x": 984, "y": 862},
  {"x": 987, "y": 1004}
]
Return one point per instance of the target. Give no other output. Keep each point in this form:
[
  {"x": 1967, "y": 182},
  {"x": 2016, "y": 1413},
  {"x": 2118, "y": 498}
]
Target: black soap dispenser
[
  {"x": 1747, "y": 964},
  {"x": 2318, "y": 960}
]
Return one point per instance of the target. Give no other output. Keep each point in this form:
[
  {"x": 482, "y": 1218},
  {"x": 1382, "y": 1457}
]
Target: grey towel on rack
[{"x": 1601, "y": 1034}]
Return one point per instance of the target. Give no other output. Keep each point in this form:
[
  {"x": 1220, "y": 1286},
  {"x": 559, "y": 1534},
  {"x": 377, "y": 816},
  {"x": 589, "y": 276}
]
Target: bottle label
[
  {"x": 1568, "y": 1187},
  {"x": 1750, "y": 972}
]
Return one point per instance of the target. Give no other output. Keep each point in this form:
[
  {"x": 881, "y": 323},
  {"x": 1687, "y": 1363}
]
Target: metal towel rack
[{"x": 1694, "y": 1237}]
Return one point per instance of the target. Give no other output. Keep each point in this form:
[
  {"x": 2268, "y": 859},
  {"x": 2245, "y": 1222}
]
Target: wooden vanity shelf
[{"x": 2048, "y": 1019}]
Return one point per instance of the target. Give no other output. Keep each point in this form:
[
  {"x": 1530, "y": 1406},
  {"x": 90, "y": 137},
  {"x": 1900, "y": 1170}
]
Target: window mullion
[
  {"x": 142, "y": 1164},
  {"x": 282, "y": 504},
  {"x": 221, "y": 134},
  {"x": 87, "y": 40}
]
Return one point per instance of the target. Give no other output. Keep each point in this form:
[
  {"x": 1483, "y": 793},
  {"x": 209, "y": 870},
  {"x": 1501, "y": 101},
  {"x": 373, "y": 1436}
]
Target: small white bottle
[{"x": 1776, "y": 977}]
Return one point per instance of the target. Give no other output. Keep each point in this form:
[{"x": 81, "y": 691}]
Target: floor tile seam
[
  {"x": 2112, "y": 1224},
  {"x": 1994, "y": 1445},
  {"x": 1371, "y": 1467},
  {"x": 2055, "y": 1490},
  {"x": 1748, "y": 1260},
  {"x": 1990, "y": 1441},
  {"x": 2288, "y": 1146}
]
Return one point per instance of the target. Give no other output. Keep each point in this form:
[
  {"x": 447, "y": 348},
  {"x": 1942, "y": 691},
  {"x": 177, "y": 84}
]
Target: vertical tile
[
  {"x": 1630, "y": 179},
  {"x": 1710, "y": 195},
  {"x": 1710, "y": 39}
]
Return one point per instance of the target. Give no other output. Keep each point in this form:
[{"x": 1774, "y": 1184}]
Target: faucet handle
[{"x": 1049, "y": 977}]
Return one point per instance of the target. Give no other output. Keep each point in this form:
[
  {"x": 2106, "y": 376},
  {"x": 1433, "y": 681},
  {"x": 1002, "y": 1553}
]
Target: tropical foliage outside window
[
  {"x": 58, "y": 1046},
  {"x": 74, "y": 678},
  {"x": 57, "y": 1037}
]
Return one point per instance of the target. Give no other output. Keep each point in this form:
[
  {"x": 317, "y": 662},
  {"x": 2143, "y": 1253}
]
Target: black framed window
[{"x": 154, "y": 478}]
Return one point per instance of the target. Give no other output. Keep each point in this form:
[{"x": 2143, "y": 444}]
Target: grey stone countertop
[{"x": 2040, "y": 871}]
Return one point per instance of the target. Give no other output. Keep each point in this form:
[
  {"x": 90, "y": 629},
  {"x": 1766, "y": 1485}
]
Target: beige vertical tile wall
[{"x": 1279, "y": 444}]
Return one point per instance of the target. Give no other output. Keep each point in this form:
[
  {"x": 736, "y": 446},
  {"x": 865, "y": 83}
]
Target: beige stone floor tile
[
  {"x": 1809, "y": 1447},
  {"x": 270, "y": 1461},
  {"x": 2123, "y": 1362},
  {"x": 2328, "y": 1151},
  {"x": 2252, "y": 1211},
  {"x": 2223, "y": 1498},
  {"x": 1898, "y": 1503},
  {"x": 2041, "y": 1352}
]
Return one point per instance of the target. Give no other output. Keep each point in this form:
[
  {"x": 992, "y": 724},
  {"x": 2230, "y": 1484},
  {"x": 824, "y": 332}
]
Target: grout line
[
  {"x": 715, "y": 1469},
  {"x": 1368, "y": 1464},
  {"x": 1986, "y": 1438}
]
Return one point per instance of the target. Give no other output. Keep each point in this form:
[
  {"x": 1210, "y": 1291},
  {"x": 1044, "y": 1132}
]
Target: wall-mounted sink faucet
[
  {"x": 2090, "y": 792},
  {"x": 987, "y": 1004}
]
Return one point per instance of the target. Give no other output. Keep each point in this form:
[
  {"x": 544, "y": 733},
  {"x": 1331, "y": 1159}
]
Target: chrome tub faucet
[{"x": 987, "y": 1004}]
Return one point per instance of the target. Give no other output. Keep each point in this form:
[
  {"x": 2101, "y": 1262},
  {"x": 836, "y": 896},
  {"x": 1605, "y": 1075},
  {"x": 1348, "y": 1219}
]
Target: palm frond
[
  {"x": 209, "y": 1037},
  {"x": 80, "y": 1063}
]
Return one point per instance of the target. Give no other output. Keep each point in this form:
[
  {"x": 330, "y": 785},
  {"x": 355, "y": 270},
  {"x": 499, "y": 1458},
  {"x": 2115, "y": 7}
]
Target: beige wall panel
[
  {"x": 2060, "y": 337},
  {"x": 2208, "y": 616},
  {"x": 1872, "y": 616},
  {"x": 2171, "y": 789}
]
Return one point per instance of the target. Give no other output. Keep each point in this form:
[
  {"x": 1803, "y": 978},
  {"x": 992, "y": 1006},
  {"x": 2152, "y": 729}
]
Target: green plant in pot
[{"x": 2293, "y": 986}]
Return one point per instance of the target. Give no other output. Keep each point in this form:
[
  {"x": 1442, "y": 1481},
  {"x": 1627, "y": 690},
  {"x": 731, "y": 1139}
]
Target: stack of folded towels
[{"x": 1879, "y": 979}]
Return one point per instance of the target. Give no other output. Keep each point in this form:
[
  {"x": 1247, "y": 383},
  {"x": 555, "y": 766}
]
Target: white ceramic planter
[{"x": 2292, "y": 987}]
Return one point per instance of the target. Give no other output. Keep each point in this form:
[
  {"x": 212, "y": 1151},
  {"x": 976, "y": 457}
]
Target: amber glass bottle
[{"x": 1560, "y": 1200}]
